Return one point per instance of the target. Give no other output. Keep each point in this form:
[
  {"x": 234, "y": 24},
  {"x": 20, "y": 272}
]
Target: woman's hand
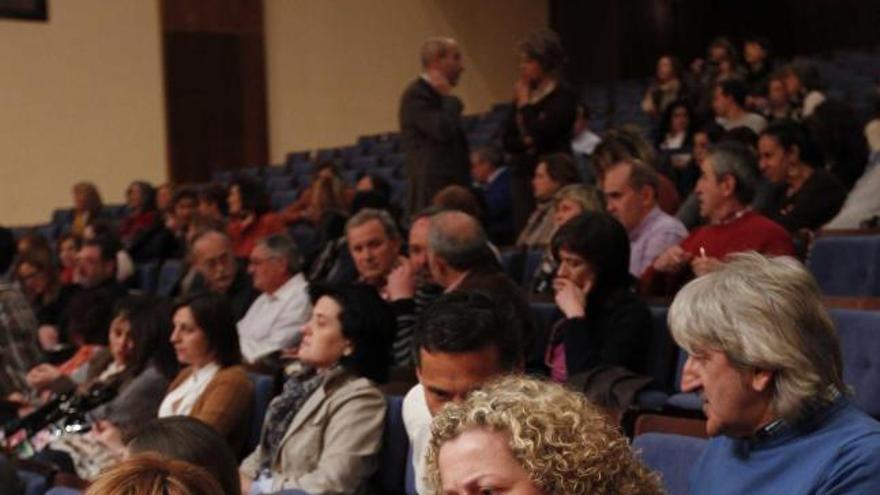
[
  {"x": 42, "y": 375},
  {"x": 571, "y": 299}
]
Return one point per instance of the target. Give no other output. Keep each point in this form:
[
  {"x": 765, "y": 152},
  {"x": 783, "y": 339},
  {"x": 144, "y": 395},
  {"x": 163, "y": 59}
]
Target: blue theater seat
[
  {"x": 847, "y": 265},
  {"x": 672, "y": 456}
]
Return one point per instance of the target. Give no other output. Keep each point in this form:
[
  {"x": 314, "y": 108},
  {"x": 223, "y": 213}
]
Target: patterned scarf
[{"x": 297, "y": 390}]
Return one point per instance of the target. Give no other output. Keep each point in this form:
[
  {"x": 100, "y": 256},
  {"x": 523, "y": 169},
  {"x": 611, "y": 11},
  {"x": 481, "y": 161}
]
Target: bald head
[
  {"x": 434, "y": 49},
  {"x": 458, "y": 239}
]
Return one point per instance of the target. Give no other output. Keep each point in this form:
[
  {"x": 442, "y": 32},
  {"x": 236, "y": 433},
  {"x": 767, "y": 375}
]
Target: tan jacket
[
  {"x": 332, "y": 444},
  {"x": 225, "y": 405}
]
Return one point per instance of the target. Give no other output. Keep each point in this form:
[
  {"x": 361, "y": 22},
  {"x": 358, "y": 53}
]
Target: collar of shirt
[
  {"x": 288, "y": 289},
  {"x": 646, "y": 222},
  {"x": 542, "y": 91},
  {"x": 492, "y": 178},
  {"x": 205, "y": 373},
  {"x": 457, "y": 282}
]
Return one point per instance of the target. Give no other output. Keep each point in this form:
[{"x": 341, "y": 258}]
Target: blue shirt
[{"x": 836, "y": 451}]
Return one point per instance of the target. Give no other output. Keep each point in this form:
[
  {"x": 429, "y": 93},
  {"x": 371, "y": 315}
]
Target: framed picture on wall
[{"x": 31, "y": 10}]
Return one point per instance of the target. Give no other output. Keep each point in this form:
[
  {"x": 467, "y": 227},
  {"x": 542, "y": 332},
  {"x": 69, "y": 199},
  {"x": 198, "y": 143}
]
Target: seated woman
[
  {"x": 68, "y": 246},
  {"x": 39, "y": 279},
  {"x": 604, "y": 322},
  {"x": 522, "y": 435},
  {"x": 323, "y": 433},
  {"x": 807, "y": 195},
  {"x": 569, "y": 202},
  {"x": 552, "y": 174},
  {"x": 87, "y": 207},
  {"x": 141, "y": 366},
  {"x": 214, "y": 387},
  {"x": 250, "y": 218},
  {"x": 308, "y": 208}
]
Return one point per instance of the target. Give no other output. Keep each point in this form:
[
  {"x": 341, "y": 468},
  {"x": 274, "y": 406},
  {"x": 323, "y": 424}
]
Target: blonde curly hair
[{"x": 564, "y": 443}]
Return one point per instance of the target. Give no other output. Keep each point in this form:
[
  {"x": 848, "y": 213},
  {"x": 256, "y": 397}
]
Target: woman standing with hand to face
[
  {"x": 543, "y": 120},
  {"x": 604, "y": 322}
]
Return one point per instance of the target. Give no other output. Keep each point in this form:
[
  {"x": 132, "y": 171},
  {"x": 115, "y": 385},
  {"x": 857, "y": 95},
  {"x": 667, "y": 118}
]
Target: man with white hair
[
  {"x": 430, "y": 125},
  {"x": 765, "y": 359}
]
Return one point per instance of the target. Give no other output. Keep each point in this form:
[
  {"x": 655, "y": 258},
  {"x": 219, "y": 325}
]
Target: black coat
[{"x": 434, "y": 142}]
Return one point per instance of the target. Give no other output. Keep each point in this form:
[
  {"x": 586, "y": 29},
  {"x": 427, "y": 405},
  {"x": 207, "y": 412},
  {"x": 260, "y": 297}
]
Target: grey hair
[
  {"x": 735, "y": 160},
  {"x": 585, "y": 195},
  {"x": 457, "y": 238},
  {"x": 434, "y": 48},
  {"x": 765, "y": 313},
  {"x": 489, "y": 153},
  {"x": 368, "y": 214},
  {"x": 281, "y": 246}
]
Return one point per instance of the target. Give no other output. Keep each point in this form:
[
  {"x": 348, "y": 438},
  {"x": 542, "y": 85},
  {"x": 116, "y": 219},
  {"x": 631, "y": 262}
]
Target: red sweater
[
  {"x": 245, "y": 238},
  {"x": 749, "y": 232}
]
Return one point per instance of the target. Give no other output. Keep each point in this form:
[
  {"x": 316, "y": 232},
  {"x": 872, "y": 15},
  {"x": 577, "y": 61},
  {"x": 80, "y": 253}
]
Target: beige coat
[{"x": 332, "y": 444}]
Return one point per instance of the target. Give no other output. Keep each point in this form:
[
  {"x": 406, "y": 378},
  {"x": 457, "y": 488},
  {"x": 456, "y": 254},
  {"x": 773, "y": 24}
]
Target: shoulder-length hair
[{"x": 213, "y": 314}]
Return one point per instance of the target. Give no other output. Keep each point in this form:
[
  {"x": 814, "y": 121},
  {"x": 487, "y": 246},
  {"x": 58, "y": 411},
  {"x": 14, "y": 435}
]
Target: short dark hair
[
  {"x": 215, "y": 194},
  {"x": 213, "y": 314},
  {"x": 545, "y": 47},
  {"x": 108, "y": 246},
  {"x": 463, "y": 321},
  {"x": 253, "y": 195},
  {"x": 368, "y": 322},
  {"x": 187, "y": 439},
  {"x": 182, "y": 193},
  {"x": 735, "y": 88},
  {"x": 602, "y": 241},
  {"x": 561, "y": 168},
  {"x": 789, "y": 134},
  {"x": 490, "y": 153}
]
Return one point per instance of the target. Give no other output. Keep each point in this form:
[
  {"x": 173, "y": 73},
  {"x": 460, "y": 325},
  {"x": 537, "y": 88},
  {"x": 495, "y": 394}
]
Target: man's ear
[
  {"x": 646, "y": 193},
  {"x": 728, "y": 185},
  {"x": 762, "y": 380}
]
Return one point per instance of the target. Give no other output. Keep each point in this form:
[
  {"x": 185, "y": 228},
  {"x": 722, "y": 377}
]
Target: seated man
[
  {"x": 374, "y": 243},
  {"x": 630, "y": 189},
  {"x": 729, "y": 104},
  {"x": 460, "y": 259},
  {"x": 726, "y": 186},
  {"x": 454, "y": 356},
  {"x": 219, "y": 272},
  {"x": 493, "y": 181},
  {"x": 765, "y": 358},
  {"x": 273, "y": 321}
]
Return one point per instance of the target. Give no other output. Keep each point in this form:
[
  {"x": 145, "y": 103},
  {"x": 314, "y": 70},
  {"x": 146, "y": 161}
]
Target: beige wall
[
  {"x": 335, "y": 69},
  {"x": 80, "y": 99}
]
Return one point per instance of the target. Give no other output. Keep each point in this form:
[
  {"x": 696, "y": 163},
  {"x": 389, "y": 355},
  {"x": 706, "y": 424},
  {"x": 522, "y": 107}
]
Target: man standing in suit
[{"x": 430, "y": 124}]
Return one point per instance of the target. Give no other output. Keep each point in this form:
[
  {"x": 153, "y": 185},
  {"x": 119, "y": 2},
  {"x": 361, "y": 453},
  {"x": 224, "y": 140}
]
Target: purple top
[{"x": 657, "y": 232}]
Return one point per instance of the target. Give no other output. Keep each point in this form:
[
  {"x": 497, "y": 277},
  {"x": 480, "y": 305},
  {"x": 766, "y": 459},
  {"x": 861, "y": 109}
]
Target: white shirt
[
  {"x": 417, "y": 421},
  {"x": 751, "y": 120},
  {"x": 585, "y": 142},
  {"x": 180, "y": 401},
  {"x": 274, "y": 321}
]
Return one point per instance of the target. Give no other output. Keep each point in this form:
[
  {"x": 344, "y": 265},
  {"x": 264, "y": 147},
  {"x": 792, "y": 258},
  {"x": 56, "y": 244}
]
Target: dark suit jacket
[
  {"x": 498, "y": 201},
  {"x": 490, "y": 280},
  {"x": 433, "y": 141}
]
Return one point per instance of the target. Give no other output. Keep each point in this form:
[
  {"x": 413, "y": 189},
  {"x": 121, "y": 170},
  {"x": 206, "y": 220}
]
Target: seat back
[
  {"x": 847, "y": 265},
  {"x": 390, "y": 478},
  {"x": 672, "y": 456},
  {"x": 169, "y": 275},
  {"x": 661, "y": 361},
  {"x": 859, "y": 333},
  {"x": 263, "y": 388}
]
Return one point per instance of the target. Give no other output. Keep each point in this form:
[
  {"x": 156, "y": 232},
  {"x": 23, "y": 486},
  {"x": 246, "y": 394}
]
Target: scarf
[{"x": 297, "y": 390}]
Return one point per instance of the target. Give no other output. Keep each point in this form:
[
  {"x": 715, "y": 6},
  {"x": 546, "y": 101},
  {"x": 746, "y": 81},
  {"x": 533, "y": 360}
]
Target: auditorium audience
[
  {"x": 323, "y": 433},
  {"x": 87, "y": 206},
  {"x": 804, "y": 87},
  {"x": 676, "y": 133},
  {"x": 569, "y": 202},
  {"x": 772, "y": 390},
  {"x": 273, "y": 321},
  {"x": 105, "y": 229},
  {"x": 20, "y": 349},
  {"x": 165, "y": 193},
  {"x": 325, "y": 193},
  {"x": 543, "y": 119},
  {"x": 212, "y": 202},
  {"x": 666, "y": 87},
  {"x": 492, "y": 178},
  {"x": 551, "y": 174},
  {"x": 38, "y": 277},
  {"x": 374, "y": 243},
  {"x": 141, "y": 222},
  {"x": 68, "y": 246},
  {"x": 460, "y": 260},
  {"x": 453, "y": 357},
  {"x": 540, "y": 439},
  {"x": 807, "y": 196},
  {"x": 758, "y": 66},
  {"x": 214, "y": 387},
  {"x": 219, "y": 272},
  {"x": 630, "y": 189},
  {"x": 729, "y": 105},
  {"x": 725, "y": 189},
  {"x": 604, "y": 324},
  {"x": 250, "y": 218}
]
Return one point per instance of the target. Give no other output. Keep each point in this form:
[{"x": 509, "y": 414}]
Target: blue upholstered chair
[
  {"x": 263, "y": 388},
  {"x": 672, "y": 456},
  {"x": 847, "y": 265},
  {"x": 859, "y": 333}
]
